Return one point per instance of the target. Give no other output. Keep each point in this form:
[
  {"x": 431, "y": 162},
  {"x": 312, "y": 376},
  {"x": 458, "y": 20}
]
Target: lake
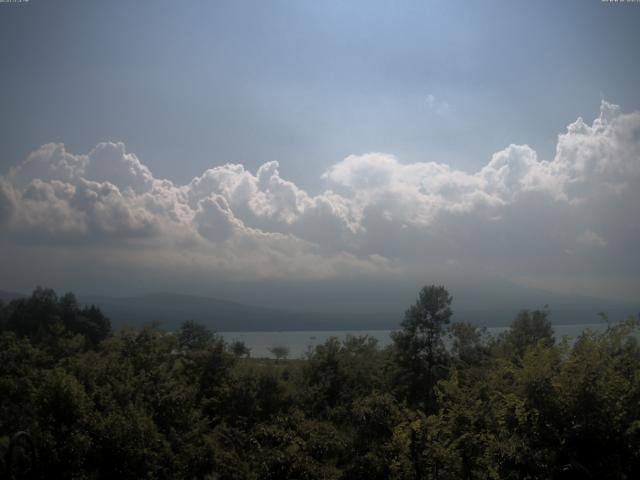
[{"x": 299, "y": 342}]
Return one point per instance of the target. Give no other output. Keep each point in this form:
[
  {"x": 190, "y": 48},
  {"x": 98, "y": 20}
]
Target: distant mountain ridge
[
  {"x": 221, "y": 315},
  {"x": 172, "y": 309},
  {"x": 8, "y": 296}
]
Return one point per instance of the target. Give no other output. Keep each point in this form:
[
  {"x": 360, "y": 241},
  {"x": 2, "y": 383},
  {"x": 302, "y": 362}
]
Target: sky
[{"x": 246, "y": 149}]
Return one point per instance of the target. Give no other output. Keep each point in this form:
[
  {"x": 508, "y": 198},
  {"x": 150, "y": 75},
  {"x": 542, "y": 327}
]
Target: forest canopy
[{"x": 149, "y": 403}]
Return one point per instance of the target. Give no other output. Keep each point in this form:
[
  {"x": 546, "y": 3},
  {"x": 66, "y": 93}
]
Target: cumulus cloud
[
  {"x": 215, "y": 220},
  {"x": 7, "y": 202},
  {"x": 376, "y": 215}
]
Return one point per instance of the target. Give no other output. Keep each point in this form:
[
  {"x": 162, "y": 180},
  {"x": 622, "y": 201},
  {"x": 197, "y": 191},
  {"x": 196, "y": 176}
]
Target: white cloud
[
  {"x": 7, "y": 202},
  {"x": 378, "y": 215},
  {"x": 109, "y": 162},
  {"x": 215, "y": 220}
]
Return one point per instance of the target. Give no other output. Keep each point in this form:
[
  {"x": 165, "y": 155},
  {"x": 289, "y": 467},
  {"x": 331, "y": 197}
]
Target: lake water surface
[{"x": 299, "y": 342}]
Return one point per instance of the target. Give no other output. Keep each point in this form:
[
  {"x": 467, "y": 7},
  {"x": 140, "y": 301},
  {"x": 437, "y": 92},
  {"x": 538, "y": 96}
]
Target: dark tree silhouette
[
  {"x": 193, "y": 336},
  {"x": 239, "y": 349},
  {"x": 420, "y": 352},
  {"x": 43, "y": 316},
  {"x": 279, "y": 351},
  {"x": 529, "y": 328}
]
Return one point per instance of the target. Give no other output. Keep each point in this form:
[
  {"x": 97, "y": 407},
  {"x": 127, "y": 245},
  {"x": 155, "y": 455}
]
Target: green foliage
[
  {"x": 338, "y": 373},
  {"x": 528, "y": 329},
  {"x": 193, "y": 336},
  {"x": 374, "y": 420},
  {"x": 471, "y": 345},
  {"x": 153, "y": 404},
  {"x": 420, "y": 354},
  {"x": 48, "y": 320},
  {"x": 294, "y": 447}
]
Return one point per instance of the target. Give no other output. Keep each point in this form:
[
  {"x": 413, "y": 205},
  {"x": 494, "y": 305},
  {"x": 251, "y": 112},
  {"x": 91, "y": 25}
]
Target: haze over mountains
[{"x": 493, "y": 309}]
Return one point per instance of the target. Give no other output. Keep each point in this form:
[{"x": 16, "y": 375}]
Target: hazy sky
[{"x": 414, "y": 141}]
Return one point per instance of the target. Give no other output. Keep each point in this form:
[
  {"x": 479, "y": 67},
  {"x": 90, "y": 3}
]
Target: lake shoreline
[{"x": 300, "y": 341}]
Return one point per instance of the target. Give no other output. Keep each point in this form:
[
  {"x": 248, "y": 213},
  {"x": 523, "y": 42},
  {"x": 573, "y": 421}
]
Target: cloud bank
[{"x": 518, "y": 216}]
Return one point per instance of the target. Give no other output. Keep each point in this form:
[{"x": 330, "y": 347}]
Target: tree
[
  {"x": 338, "y": 373},
  {"x": 46, "y": 318},
  {"x": 35, "y": 316},
  {"x": 420, "y": 353},
  {"x": 87, "y": 321},
  {"x": 3, "y": 316},
  {"x": 470, "y": 344},
  {"x": 279, "y": 351},
  {"x": 530, "y": 328},
  {"x": 193, "y": 336},
  {"x": 239, "y": 349}
]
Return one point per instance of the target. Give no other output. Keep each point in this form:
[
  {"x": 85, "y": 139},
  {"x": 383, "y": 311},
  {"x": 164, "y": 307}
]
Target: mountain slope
[
  {"x": 497, "y": 308},
  {"x": 220, "y": 315}
]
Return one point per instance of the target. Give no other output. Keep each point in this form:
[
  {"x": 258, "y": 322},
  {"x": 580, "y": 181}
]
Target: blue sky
[
  {"x": 189, "y": 85},
  {"x": 209, "y": 144}
]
